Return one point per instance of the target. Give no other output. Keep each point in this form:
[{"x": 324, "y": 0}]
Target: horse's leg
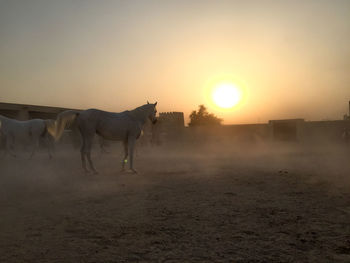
[
  {"x": 100, "y": 142},
  {"x": 35, "y": 147},
  {"x": 88, "y": 146},
  {"x": 136, "y": 148},
  {"x": 102, "y": 145},
  {"x": 131, "y": 144},
  {"x": 10, "y": 141},
  {"x": 88, "y": 154},
  {"x": 125, "y": 159},
  {"x": 82, "y": 155},
  {"x": 88, "y": 137},
  {"x": 48, "y": 145}
]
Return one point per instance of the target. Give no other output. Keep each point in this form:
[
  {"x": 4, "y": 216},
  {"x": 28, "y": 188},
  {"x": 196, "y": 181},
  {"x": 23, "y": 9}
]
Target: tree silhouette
[{"x": 203, "y": 118}]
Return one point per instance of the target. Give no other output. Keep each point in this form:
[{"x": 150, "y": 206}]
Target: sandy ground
[{"x": 258, "y": 206}]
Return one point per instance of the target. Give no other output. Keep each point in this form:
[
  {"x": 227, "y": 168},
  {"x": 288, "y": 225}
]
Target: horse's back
[
  {"x": 110, "y": 125},
  {"x": 23, "y": 129},
  {"x": 100, "y": 115}
]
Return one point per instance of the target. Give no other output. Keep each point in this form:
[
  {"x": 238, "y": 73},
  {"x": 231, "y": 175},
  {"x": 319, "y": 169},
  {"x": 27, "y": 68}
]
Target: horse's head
[{"x": 152, "y": 112}]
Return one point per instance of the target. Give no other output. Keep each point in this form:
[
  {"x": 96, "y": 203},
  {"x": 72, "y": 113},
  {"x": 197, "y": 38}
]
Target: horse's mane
[{"x": 141, "y": 112}]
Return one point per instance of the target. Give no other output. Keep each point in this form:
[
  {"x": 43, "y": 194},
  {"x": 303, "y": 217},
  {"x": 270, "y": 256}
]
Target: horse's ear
[
  {"x": 155, "y": 104},
  {"x": 147, "y": 102}
]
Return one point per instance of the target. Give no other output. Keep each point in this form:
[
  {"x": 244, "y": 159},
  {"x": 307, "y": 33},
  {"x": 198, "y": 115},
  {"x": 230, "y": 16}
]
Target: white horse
[
  {"x": 30, "y": 131},
  {"x": 124, "y": 126}
]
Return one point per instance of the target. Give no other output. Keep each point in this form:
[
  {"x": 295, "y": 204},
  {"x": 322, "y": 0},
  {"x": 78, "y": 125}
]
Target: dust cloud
[{"x": 192, "y": 200}]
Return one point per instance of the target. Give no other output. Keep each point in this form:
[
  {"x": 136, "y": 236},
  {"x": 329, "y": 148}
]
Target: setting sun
[{"x": 226, "y": 95}]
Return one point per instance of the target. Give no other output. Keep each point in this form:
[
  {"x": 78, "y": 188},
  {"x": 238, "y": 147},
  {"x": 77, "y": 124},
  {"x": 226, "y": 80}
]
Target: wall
[{"x": 26, "y": 112}]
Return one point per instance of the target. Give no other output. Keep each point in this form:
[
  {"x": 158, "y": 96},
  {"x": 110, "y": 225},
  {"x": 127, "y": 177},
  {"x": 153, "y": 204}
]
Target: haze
[{"x": 291, "y": 58}]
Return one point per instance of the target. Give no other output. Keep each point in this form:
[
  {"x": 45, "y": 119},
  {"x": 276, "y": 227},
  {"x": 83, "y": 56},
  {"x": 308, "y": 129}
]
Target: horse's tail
[
  {"x": 50, "y": 127},
  {"x": 64, "y": 119}
]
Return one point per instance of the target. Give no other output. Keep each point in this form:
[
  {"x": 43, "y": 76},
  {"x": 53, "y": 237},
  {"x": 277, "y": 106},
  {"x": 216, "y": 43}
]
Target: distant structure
[
  {"x": 26, "y": 111},
  {"x": 347, "y": 116},
  {"x": 172, "y": 119},
  {"x": 286, "y": 130},
  {"x": 170, "y": 127}
]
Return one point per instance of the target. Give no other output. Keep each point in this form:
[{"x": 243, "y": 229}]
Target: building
[
  {"x": 347, "y": 116},
  {"x": 171, "y": 127},
  {"x": 286, "y": 130},
  {"x": 26, "y": 111}
]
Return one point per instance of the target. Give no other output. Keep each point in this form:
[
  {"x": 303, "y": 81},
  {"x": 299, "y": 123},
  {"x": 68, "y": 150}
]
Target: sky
[{"x": 290, "y": 59}]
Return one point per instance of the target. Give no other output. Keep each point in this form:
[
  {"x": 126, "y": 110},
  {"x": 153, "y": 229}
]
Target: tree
[{"x": 203, "y": 118}]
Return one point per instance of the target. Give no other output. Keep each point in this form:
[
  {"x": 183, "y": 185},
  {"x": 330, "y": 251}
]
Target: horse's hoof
[
  {"x": 94, "y": 172},
  {"x": 133, "y": 171}
]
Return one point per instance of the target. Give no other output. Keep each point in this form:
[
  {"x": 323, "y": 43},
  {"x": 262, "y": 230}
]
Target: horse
[
  {"x": 12, "y": 130},
  {"x": 124, "y": 126}
]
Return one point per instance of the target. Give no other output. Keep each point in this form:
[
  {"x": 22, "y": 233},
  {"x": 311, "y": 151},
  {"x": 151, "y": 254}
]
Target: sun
[{"x": 226, "y": 95}]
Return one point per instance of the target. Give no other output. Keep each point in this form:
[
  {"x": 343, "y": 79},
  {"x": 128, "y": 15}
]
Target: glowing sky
[{"x": 292, "y": 57}]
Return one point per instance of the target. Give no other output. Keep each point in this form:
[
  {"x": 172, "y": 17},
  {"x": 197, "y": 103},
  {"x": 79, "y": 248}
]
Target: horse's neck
[{"x": 139, "y": 114}]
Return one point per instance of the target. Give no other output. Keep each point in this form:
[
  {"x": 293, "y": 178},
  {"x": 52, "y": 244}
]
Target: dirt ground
[{"x": 201, "y": 205}]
